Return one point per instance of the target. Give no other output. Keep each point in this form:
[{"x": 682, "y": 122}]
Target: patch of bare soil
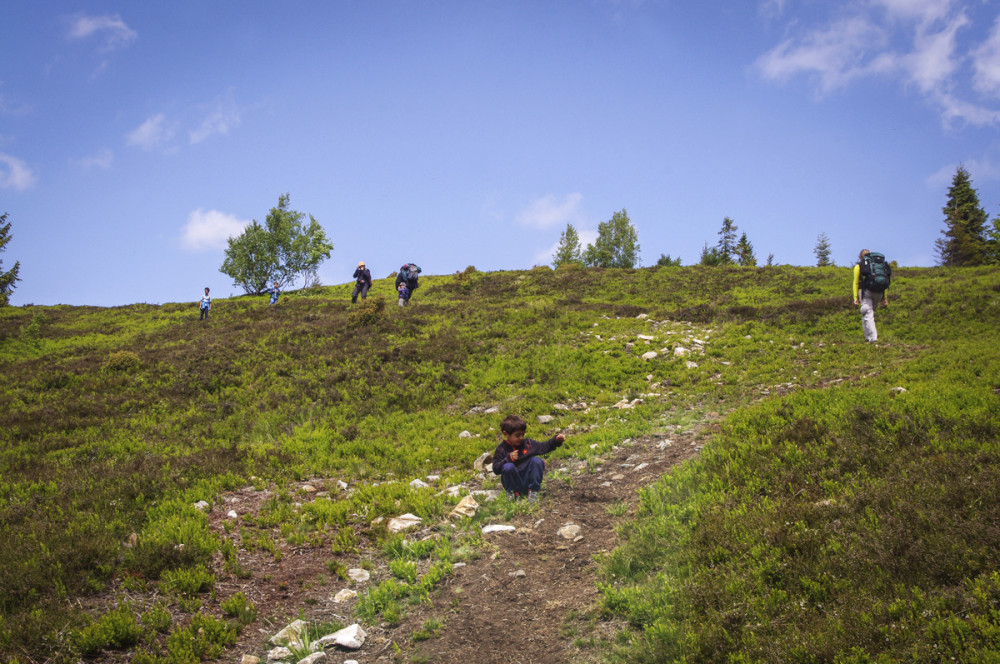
[{"x": 525, "y": 601}]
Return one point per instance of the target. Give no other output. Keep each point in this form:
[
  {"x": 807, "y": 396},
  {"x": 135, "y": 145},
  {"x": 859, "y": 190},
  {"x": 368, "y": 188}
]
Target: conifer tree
[
  {"x": 744, "y": 252},
  {"x": 617, "y": 244},
  {"x": 568, "y": 250},
  {"x": 822, "y": 251},
  {"x": 964, "y": 241},
  {"x": 666, "y": 261},
  {"x": 8, "y": 278},
  {"x": 727, "y": 242}
]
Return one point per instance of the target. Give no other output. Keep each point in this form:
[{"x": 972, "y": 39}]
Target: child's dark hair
[{"x": 512, "y": 424}]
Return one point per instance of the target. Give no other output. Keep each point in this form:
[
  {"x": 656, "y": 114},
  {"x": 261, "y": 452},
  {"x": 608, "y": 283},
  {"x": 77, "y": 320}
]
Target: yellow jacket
[{"x": 857, "y": 284}]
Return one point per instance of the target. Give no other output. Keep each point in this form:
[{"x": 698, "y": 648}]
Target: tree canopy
[
  {"x": 726, "y": 248},
  {"x": 9, "y": 278},
  {"x": 964, "y": 240},
  {"x": 280, "y": 250},
  {"x": 744, "y": 252},
  {"x": 617, "y": 244},
  {"x": 822, "y": 251},
  {"x": 568, "y": 250}
]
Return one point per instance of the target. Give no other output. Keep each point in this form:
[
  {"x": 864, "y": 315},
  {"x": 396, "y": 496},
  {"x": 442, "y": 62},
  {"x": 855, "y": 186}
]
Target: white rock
[
  {"x": 518, "y": 574},
  {"x": 357, "y": 574},
  {"x": 681, "y": 351},
  {"x": 569, "y": 531},
  {"x": 642, "y": 316},
  {"x": 404, "y": 522},
  {"x": 691, "y": 365},
  {"x": 232, "y": 514},
  {"x": 560, "y": 406},
  {"x": 489, "y": 411},
  {"x": 309, "y": 488},
  {"x": 433, "y": 478},
  {"x": 545, "y": 419},
  {"x": 344, "y": 595},
  {"x": 201, "y": 505},
  {"x": 898, "y": 390},
  {"x": 352, "y": 637},
  {"x": 313, "y": 658},
  {"x": 419, "y": 484},
  {"x": 293, "y": 634},
  {"x": 644, "y": 337},
  {"x": 466, "y": 507},
  {"x": 342, "y": 484},
  {"x": 649, "y": 355},
  {"x": 497, "y": 528},
  {"x": 279, "y": 654},
  {"x": 250, "y": 659},
  {"x": 639, "y": 467},
  {"x": 488, "y": 495},
  {"x": 483, "y": 459},
  {"x": 465, "y": 434}
]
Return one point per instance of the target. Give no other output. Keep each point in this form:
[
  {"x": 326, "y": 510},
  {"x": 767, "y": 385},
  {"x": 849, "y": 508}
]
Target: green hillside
[{"x": 830, "y": 519}]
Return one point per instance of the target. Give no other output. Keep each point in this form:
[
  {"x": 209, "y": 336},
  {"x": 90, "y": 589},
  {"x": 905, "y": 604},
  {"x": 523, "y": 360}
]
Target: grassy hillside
[{"x": 829, "y": 520}]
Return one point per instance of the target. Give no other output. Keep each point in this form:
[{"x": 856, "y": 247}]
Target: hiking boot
[{"x": 532, "y": 496}]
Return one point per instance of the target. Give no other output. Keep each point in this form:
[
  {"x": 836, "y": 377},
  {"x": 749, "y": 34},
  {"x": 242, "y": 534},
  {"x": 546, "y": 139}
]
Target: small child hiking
[
  {"x": 518, "y": 460},
  {"x": 404, "y": 293},
  {"x": 205, "y": 306},
  {"x": 275, "y": 292}
]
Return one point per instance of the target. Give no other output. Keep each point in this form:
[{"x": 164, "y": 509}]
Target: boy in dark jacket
[{"x": 517, "y": 460}]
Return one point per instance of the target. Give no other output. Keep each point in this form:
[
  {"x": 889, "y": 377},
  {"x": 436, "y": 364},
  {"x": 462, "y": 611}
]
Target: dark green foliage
[
  {"x": 666, "y": 261},
  {"x": 822, "y": 251},
  {"x": 964, "y": 241},
  {"x": 9, "y": 278},
  {"x": 569, "y": 250},
  {"x": 744, "y": 252},
  {"x": 280, "y": 251},
  {"x": 617, "y": 244},
  {"x": 726, "y": 247}
]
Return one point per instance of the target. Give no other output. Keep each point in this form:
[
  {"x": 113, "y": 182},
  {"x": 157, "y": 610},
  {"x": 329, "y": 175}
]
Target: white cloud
[
  {"x": 548, "y": 211},
  {"x": 14, "y": 173},
  {"x": 222, "y": 116},
  {"x": 210, "y": 229},
  {"x": 870, "y": 40},
  {"x": 986, "y": 63},
  {"x": 151, "y": 134},
  {"x": 111, "y": 29},
  {"x": 101, "y": 160}
]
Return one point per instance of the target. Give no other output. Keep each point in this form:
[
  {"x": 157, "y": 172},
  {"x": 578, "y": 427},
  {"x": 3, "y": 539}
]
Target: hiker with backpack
[
  {"x": 364, "y": 281},
  {"x": 872, "y": 275},
  {"x": 408, "y": 274}
]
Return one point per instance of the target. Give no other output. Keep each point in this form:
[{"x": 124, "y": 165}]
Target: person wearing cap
[{"x": 364, "y": 279}]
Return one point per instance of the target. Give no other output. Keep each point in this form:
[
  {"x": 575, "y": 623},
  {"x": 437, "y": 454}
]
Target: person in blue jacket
[
  {"x": 205, "y": 306},
  {"x": 275, "y": 292},
  {"x": 518, "y": 460}
]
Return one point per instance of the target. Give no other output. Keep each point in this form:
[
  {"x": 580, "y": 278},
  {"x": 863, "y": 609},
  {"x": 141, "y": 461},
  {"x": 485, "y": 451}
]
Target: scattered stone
[
  {"x": 342, "y": 484},
  {"x": 250, "y": 659},
  {"x": 293, "y": 634},
  {"x": 466, "y": 507},
  {"x": 681, "y": 351},
  {"x": 898, "y": 390},
  {"x": 664, "y": 444},
  {"x": 649, "y": 355},
  {"x": 201, "y": 505},
  {"x": 545, "y": 419},
  {"x": 352, "y": 637},
  {"x": 483, "y": 459},
  {"x": 640, "y": 467},
  {"x": 313, "y": 658},
  {"x": 465, "y": 434},
  {"x": 569, "y": 531},
  {"x": 642, "y": 316},
  {"x": 489, "y": 411},
  {"x": 691, "y": 365},
  {"x": 132, "y": 541},
  {"x": 497, "y": 528},
  {"x": 344, "y": 595},
  {"x": 560, "y": 406},
  {"x": 232, "y": 514},
  {"x": 433, "y": 478},
  {"x": 419, "y": 484},
  {"x": 358, "y": 575},
  {"x": 617, "y": 477},
  {"x": 518, "y": 574},
  {"x": 279, "y": 654},
  {"x": 404, "y": 522},
  {"x": 309, "y": 488},
  {"x": 489, "y": 495}
]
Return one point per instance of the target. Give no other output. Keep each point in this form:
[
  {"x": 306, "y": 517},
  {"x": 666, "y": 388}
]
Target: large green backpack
[{"x": 876, "y": 273}]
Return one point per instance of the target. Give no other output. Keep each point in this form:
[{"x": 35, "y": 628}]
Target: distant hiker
[
  {"x": 517, "y": 460},
  {"x": 364, "y": 278},
  {"x": 404, "y": 293},
  {"x": 408, "y": 273},
  {"x": 275, "y": 292},
  {"x": 206, "y": 304},
  {"x": 872, "y": 275}
]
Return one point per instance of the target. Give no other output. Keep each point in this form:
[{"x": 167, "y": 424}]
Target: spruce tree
[
  {"x": 568, "y": 250},
  {"x": 8, "y": 278},
  {"x": 727, "y": 242},
  {"x": 744, "y": 252},
  {"x": 822, "y": 251},
  {"x": 964, "y": 241}
]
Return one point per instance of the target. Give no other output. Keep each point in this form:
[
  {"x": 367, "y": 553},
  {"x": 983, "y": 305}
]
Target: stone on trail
[
  {"x": 352, "y": 637},
  {"x": 250, "y": 659},
  {"x": 313, "y": 658},
  {"x": 279, "y": 654},
  {"x": 497, "y": 528},
  {"x": 466, "y": 507},
  {"x": 569, "y": 531},
  {"x": 545, "y": 419},
  {"x": 480, "y": 463},
  {"x": 292, "y": 634},
  {"x": 465, "y": 434},
  {"x": 404, "y": 522},
  {"x": 681, "y": 351},
  {"x": 650, "y": 355},
  {"x": 419, "y": 484},
  {"x": 358, "y": 575},
  {"x": 344, "y": 595}
]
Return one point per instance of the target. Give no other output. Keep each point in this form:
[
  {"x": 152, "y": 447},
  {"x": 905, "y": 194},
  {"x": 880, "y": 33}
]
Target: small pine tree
[
  {"x": 744, "y": 252},
  {"x": 822, "y": 251},
  {"x": 964, "y": 240},
  {"x": 9, "y": 278},
  {"x": 726, "y": 248},
  {"x": 666, "y": 261},
  {"x": 710, "y": 256},
  {"x": 568, "y": 250}
]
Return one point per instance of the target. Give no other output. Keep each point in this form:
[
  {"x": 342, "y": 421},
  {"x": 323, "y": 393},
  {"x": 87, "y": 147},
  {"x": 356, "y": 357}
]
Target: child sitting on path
[{"x": 517, "y": 460}]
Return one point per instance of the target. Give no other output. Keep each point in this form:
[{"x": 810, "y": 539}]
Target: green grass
[{"x": 114, "y": 422}]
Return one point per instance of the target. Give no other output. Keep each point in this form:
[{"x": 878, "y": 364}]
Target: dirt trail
[{"x": 490, "y": 613}]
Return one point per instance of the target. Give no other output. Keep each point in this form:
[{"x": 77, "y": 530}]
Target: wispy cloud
[
  {"x": 210, "y": 229},
  {"x": 154, "y": 133},
  {"x": 548, "y": 211},
  {"x": 15, "y": 174},
  {"x": 918, "y": 42},
  {"x": 222, "y": 115},
  {"x": 111, "y": 31},
  {"x": 101, "y": 161}
]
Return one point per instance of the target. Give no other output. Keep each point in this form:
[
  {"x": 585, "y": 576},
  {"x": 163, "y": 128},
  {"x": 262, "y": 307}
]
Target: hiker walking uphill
[
  {"x": 872, "y": 275},
  {"x": 364, "y": 278},
  {"x": 408, "y": 274}
]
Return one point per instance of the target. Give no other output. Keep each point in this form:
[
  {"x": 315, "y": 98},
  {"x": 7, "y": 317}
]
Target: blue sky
[{"x": 136, "y": 136}]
